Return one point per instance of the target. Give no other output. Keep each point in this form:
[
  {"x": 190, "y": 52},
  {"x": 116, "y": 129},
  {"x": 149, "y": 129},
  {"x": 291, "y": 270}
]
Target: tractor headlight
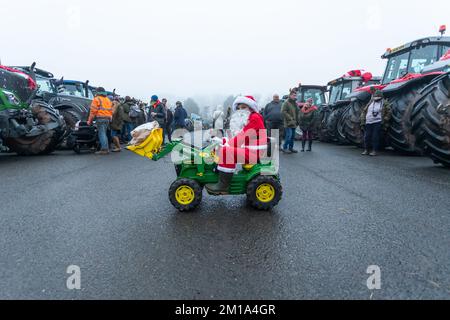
[{"x": 12, "y": 99}]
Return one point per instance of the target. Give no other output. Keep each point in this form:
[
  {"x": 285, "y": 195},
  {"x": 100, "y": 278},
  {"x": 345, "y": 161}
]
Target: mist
[{"x": 209, "y": 50}]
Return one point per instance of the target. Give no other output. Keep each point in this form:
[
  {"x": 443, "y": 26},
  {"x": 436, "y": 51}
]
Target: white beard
[{"x": 238, "y": 121}]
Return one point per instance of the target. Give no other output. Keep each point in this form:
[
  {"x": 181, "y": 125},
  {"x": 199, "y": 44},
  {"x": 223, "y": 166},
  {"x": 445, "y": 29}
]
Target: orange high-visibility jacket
[{"x": 101, "y": 107}]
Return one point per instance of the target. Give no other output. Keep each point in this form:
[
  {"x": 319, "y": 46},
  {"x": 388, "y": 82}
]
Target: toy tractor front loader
[{"x": 196, "y": 166}]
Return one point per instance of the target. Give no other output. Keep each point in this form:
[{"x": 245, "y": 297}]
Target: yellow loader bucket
[{"x": 150, "y": 146}]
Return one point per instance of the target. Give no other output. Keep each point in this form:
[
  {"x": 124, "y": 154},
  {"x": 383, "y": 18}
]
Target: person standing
[
  {"x": 117, "y": 125},
  {"x": 290, "y": 111},
  {"x": 101, "y": 112},
  {"x": 169, "y": 124},
  {"x": 375, "y": 119},
  {"x": 158, "y": 113},
  {"x": 307, "y": 120},
  {"x": 180, "y": 116},
  {"x": 273, "y": 117},
  {"x": 135, "y": 114},
  {"x": 127, "y": 122}
]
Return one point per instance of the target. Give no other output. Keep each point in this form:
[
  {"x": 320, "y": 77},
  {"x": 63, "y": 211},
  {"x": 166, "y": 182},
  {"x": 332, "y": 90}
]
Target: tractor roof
[
  {"x": 323, "y": 88},
  {"x": 39, "y": 72},
  {"x": 343, "y": 79},
  {"x": 74, "y": 82},
  {"x": 408, "y": 46}
]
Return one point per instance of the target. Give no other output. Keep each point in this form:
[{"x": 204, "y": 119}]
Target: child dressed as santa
[{"x": 247, "y": 146}]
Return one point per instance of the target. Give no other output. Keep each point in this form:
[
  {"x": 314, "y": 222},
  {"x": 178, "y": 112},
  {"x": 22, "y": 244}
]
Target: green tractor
[
  {"x": 195, "y": 167},
  {"x": 28, "y": 126}
]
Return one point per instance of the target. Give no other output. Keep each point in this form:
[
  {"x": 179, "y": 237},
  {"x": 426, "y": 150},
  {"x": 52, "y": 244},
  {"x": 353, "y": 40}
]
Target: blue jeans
[
  {"x": 126, "y": 131},
  {"x": 103, "y": 127},
  {"x": 289, "y": 136}
]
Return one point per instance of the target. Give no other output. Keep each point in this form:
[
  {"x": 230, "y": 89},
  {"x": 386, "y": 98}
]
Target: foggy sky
[{"x": 210, "y": 48}]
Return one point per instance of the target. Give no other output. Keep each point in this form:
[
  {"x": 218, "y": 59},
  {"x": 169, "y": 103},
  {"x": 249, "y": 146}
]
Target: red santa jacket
[{"x": 253, "y": 136}]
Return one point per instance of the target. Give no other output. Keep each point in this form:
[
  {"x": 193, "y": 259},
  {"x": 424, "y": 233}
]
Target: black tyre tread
[
  {"x": 352, "y": 122},
  {"x": 430, "y": 121},
  {"x": 45, "y": 143},
  {"x": 323, "y": 134},
  {"x": 71, "y": 119},
  {"x": 253, "y": 186},
  {"x": 198, "y": 192},
  {"x": 342, "y": 139},
  {"x": 332, "y": 124},
  {"x": 40, "y": 145},
  {"x": 399, "y": 133}
]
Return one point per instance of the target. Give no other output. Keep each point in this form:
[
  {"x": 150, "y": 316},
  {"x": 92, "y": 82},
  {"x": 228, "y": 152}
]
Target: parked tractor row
[
  {"x": 416, "y": 83},
  {"x": 37, "y": 111}
]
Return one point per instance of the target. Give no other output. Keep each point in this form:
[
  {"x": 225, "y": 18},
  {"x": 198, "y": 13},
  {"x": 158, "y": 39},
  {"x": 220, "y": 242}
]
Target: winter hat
[
  {"x": 154, "y": 98},
  {"x": 101, "y": 91},
  {"x": 248, "y": 100},
  {"x": 378, "y": 94}
]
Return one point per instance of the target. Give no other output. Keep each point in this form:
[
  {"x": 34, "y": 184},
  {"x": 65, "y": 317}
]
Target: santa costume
[{"x": 247, "y": 147}]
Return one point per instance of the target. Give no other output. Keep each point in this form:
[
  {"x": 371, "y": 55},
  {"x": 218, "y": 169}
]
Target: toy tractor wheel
[
  {"x": 264, "y": 193},
  {"x": 185, "y": 194}
]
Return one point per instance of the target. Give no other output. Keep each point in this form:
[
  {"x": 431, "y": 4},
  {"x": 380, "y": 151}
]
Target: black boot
[
  {"x": 303, "y": 145},
  {"x": 309, "y": 146},
  {"x": 223, "y": 186}
]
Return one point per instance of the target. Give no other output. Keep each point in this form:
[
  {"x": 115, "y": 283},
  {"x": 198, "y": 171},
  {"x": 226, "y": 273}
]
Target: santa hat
[{"x": 248, "y": 100}]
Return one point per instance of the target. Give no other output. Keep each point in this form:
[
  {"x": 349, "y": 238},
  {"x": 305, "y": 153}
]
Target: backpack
[{"x": 135, "y": 111}]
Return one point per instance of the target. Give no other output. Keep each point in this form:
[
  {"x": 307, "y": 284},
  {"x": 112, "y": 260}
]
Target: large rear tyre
[
  {"x": 400, "y": 127},
  {"x": 352, "y": 122},
  {"x": 430, "y": 121},
  {"x": 40, "y": 145},
  {"x": 323, "y": 134},
  {"x": 185, "y": 194},
  {"x": 264, "y": 193},
  {"x": 331, "y": 125},
  {"x": 45, "y": 143},
  {"x": 71, "y": 119},
  {"x": 342, "y": 139}
]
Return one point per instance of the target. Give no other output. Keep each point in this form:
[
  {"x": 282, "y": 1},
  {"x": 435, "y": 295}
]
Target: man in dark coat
[{"x": 273, "y": 117}]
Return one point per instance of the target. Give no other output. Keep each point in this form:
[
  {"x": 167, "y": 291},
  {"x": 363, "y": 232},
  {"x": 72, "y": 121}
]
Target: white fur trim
[
  {"x": 251, "y": 103},
  {"x": 226, "y": 170},
  {"x": 256, "y": 148}
]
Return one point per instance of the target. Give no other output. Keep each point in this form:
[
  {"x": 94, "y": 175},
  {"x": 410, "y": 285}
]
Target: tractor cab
[
  {"x": 317, "y": 93},
  {"x": 414, "y": 57},
  {"x": 75, "y": 88},
  {"x": 46, "y": 88},
  {"x": 416, "y": 60},
  {"x": 16, "y": 88},
  {"x": 341, "y": 88}
]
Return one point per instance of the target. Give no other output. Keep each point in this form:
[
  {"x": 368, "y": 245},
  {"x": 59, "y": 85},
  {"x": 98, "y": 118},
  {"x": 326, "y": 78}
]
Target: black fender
[
  {"x": 394, "y": 88},
  {"x": 359, "y": 95},
  {"x": 79, "y": 109},
  {"x": 433, "y": 82}
]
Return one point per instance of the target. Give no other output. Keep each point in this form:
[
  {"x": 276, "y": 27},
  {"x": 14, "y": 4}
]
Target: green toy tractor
[{"x": 196, "y": 166}]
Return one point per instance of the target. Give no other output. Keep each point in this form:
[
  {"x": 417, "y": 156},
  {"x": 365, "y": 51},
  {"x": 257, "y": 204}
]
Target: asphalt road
[{"x": 111, "y": 216}]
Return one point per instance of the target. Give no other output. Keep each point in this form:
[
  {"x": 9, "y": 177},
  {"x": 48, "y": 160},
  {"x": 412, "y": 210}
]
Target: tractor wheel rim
[
  {"x": 185, "y": 195},
  {"x": 265, "y": 193}
]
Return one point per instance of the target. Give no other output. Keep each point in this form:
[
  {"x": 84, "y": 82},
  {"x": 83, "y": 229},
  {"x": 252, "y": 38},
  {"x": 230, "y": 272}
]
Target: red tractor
[
  {"x": 405, "y": 76},
  {"x": 429, "y": 115},
  {"x": 331, "y": 125}
]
